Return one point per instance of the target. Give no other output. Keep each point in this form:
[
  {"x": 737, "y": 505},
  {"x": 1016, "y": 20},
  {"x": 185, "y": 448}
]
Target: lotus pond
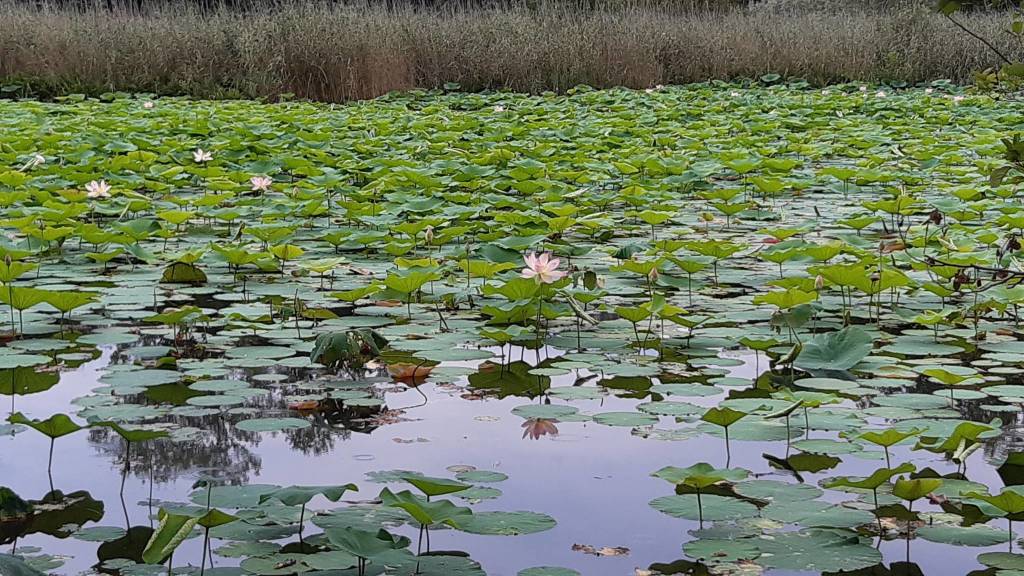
[{"x": 692, "y": 330}]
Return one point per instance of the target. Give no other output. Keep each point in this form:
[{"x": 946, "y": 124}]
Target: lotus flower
[
  {"x": 200, "y": 155},
  {"x": 411, "y": 374},
  {"x": 37, "y": 159},
  {"x": 542, "y": 267},
  {"x": 260, "y": 183},
  {"x": 97, "y": 189},
  {"x": 148, "y": 105},
  {"x": 499, "y": 108},
  {"x": 537, "y": 427}
]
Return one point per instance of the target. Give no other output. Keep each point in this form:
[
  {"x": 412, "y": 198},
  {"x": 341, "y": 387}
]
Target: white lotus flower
[
  {"x": 200, "y": 155},
  {"x": 36, "y": 160},
  {"x": 260, "y": 183},
  {"x": 929, "y": 90},
  {"x": 97, "y": 189},
  {"x": 880, "y": 94},
  {"x": 148, "y": 105},
  {"x": 499, "y": 108}
]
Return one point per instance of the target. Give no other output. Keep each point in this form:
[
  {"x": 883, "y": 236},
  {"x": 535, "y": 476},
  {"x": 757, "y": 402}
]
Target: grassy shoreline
[{"x": 343, "y": 52}]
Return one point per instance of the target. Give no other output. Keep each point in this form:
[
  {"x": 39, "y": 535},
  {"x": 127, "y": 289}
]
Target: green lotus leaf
[
  {"x": 15, "y": 566},
  {"x": 272, "y": 424},
  {"x": 296, "y": 495},
  {"x": 700, "y": 475},
  {"x": 547, "y": 571},
  {"x": 712, "y": 507},
  {"x": 53, "y": 427},
  {"x": 839, "y": 350},
  {"x": 976, "y": 535},
  {"x": 507, "y": 523},
  {"x": 712, "y": 551},
  {"x": 816, "y": 550}
]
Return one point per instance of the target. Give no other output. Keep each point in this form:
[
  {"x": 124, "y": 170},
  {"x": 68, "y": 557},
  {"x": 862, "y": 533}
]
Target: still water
[{"x": 593, "y": 479}]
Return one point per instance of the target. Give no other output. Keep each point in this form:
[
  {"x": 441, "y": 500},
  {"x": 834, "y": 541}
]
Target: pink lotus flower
[
  {"x": 97, "y": 189},
  {"x": 200, "y": 155},
  {"x": 542, "y": 267},
  {"x": 534, "y": 428},
  {"x": 260, "y": 183}
]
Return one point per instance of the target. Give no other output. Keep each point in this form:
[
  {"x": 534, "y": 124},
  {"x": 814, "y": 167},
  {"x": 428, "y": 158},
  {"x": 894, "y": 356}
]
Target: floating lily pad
[
  {"x": 507, "y": 523},
  {"x": 272, "y": 424},
  {"x": 625, "y": 419},
  {"x": 816, "y": 550},
  {"x": 547, "y": 571},
  {"x": 716, "y": 508},
  {"x": 976, "y": 535}
]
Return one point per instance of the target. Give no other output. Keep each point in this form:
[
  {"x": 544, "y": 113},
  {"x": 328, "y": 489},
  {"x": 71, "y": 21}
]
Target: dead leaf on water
[{"x": 603, "y": 551}]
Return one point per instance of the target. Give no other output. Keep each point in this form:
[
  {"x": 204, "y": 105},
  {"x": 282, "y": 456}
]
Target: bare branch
[{"x": 979, "y": 38}]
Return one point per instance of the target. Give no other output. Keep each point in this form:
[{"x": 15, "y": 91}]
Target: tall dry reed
[{"x": 339, "y": 52}]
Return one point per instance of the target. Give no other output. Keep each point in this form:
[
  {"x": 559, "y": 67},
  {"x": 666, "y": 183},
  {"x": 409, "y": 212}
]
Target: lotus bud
[
  {"x": 652, "y": 276},
  {"x": 428, "y": 235},
  {"x": 819, "y": 282}
]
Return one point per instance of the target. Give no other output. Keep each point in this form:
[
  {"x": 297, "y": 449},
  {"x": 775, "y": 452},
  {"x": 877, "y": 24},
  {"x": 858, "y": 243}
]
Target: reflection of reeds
[{"x": 338, "y": 52}]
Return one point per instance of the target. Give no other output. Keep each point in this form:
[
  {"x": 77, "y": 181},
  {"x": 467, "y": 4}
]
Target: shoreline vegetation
[{"x": 339, "y": 52}]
